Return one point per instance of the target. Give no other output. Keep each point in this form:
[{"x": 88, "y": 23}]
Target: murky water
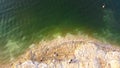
[{"x": 25, "y": 22}]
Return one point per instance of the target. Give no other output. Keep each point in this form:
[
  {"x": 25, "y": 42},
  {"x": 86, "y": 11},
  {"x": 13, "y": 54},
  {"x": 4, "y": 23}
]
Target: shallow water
[{"x": 28, "y": 21}]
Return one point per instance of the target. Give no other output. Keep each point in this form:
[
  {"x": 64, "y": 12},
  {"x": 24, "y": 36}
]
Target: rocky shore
[{"x": 69, "y": 52}]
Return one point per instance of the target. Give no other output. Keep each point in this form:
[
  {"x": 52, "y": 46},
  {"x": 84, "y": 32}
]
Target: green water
[{"x": 28, "y": 21}]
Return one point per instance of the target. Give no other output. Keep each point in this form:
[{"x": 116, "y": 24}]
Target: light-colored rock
[
  {"x": 28, "y": 64},
  {"x": 114, "y": 64},
  {"x": 42, "y": 65}
]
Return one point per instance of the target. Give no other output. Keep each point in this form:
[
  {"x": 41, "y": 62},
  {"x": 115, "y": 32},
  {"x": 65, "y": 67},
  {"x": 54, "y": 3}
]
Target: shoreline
[{"x": 59, "y": 49}]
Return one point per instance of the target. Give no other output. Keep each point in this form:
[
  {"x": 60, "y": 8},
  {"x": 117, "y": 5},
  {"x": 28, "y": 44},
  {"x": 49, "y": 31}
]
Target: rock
[
  {"x": 42, "y": 65},
  {"x": 29, "y": 64}
]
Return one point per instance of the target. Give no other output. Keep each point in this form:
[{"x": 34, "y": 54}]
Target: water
[{"x": 28, "y": 21}]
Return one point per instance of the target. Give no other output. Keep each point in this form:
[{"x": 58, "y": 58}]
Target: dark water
[{"x": 23, "y": 22}]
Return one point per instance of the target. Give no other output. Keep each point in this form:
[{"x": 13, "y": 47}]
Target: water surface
[{"x": 23, "y": 22}]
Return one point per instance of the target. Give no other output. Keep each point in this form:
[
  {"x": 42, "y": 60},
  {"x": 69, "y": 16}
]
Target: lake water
[{"x": 25, "y": 22}]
